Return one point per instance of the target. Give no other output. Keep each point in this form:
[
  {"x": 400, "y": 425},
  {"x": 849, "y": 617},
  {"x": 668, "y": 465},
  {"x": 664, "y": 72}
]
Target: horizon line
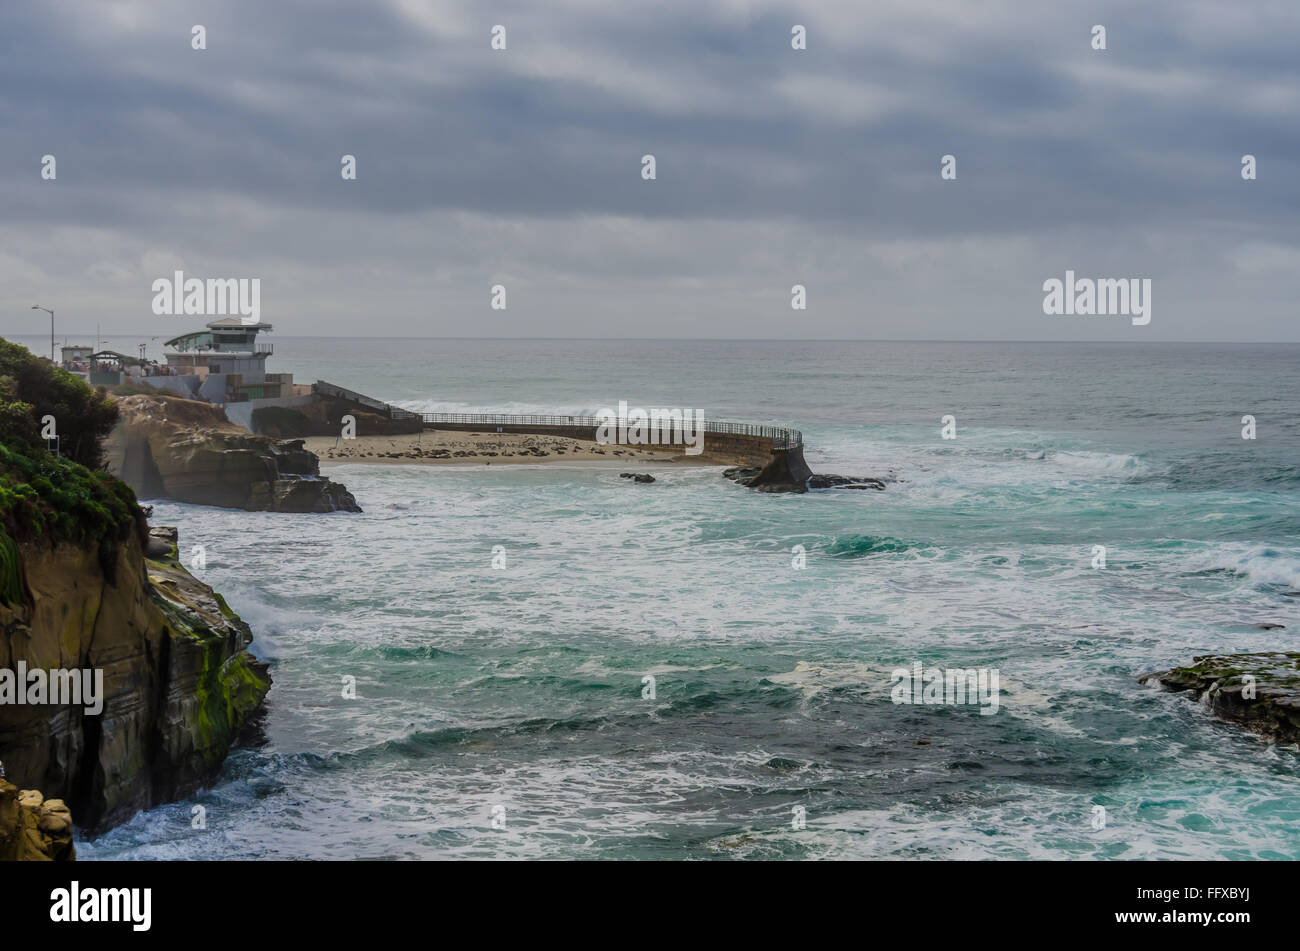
[{"x": 702, "y": 339}]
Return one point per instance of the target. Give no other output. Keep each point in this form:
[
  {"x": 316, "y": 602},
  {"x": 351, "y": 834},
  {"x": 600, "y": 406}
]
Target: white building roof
[{"x": 235, "y": 323}]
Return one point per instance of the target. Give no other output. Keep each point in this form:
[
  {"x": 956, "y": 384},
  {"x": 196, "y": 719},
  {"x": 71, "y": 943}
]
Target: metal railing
[
  {"x": 232, "y": 349},
  {"x": 778, "y": 436}
]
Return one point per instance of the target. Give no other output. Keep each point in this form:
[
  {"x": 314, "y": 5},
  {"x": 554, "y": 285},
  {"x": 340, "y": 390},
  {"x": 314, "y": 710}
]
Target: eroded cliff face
[
  {"x": 178, "y": 685},
  {"x": 168, "y": 447}
]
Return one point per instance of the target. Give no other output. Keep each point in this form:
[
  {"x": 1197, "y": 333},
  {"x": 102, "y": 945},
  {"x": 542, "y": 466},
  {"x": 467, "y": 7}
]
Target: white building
[{"x": 225, "y": 363}]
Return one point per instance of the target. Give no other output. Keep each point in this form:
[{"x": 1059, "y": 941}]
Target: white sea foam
[
  {"x": 480, "y": 685},
  {"x": 1258, "y": 564}
]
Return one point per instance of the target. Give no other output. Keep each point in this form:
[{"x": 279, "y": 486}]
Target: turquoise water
[{"x": 522, "y": 687}]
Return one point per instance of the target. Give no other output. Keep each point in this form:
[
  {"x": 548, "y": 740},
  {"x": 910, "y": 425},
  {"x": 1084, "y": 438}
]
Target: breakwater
[{"x": 724, "y": 442}]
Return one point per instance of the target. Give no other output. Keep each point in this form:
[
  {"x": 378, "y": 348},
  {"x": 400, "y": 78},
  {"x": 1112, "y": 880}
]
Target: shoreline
[{"x": 450, "y": 448}]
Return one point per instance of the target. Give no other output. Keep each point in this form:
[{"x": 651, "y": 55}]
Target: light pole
[{"x": 51, "y": 313}]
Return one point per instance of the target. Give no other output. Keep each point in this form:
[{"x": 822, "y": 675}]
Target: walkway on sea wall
[{"x": 745, "y": 443}]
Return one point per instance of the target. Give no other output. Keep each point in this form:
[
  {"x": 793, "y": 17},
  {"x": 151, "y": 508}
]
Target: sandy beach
[{"x": 434, "y": 447}]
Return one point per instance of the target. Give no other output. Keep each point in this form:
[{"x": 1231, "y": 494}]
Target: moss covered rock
[
  {"x": 179, "y": 684},
  {"x": 1260, "y": 692}
]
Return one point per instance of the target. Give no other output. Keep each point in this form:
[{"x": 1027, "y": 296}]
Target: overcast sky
[{"x": 774, "y": 166}]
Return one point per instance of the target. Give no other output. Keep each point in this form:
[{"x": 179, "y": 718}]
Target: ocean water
[{"x": 515, "y": 694}]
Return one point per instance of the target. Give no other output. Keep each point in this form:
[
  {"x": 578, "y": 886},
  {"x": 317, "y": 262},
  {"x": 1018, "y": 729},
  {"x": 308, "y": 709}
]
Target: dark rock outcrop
[
  {"x": 642, "y": 477},
  {"x": 1260, "y": 692},
  {"x": 167, "y": 447},
  {"x": 178, "y": 685},
  {"x": 788, "y": 472},
  {"x": 741, "y": 474},
  {"x": 844, "y": 482}
]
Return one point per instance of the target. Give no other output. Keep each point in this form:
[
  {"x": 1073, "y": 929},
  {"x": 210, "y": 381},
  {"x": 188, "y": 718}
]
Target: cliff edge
[
  {"x": 178, "y": 685},
  {"x": 124, "y": 680},
  {"x": 164, "y": 446}
]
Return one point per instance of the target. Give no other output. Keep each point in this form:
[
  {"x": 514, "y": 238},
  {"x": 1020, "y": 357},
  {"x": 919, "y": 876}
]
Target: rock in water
[
  {"x": 1260, "y": 692},
  {"x": 168, "y": 447},
  {"x": 844, "y": 482},
  {"x": 787, "y": 472}
]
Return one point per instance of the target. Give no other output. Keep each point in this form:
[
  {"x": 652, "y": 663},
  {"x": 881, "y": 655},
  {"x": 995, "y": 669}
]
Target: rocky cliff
[
  {"x": 167, "y": 447},
  {"x": 178, "y": 685}
]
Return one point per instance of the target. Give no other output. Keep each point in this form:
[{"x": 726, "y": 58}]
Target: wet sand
[{"x": 435, "y": 447}]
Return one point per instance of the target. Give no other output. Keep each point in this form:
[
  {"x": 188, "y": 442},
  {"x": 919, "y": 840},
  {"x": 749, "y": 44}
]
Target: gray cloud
[{"x": 775, "y": 167}]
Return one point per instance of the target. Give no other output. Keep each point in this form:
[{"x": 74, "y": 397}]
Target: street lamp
[{"x": 51, "y": 313}]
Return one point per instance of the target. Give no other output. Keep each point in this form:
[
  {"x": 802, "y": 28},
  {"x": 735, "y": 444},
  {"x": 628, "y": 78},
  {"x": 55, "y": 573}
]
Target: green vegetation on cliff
[
  {"x": 63, "y": 497},
  {"x": 176, "y": 671},
  {"x": 32, "y": 388},
  {"x": 228, "y": 686},
  {"x": 11, "y": 578}
]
